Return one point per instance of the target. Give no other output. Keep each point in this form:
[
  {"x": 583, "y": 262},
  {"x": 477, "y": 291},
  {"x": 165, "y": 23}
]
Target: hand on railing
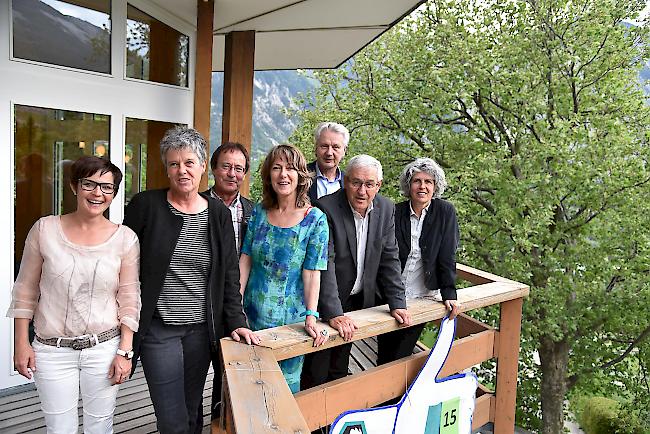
[
  {"x": 344, "y": 325},
  {"x": 246, "y": 334},
  {"x": 402, "y": 316},
  {"x": 314, "y": 330},
  {"x": 453, "y": 306}
]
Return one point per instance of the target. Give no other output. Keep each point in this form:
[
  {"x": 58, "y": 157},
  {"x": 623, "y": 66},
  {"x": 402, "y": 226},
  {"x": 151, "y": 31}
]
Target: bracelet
[{"x": 312, "y": 313}]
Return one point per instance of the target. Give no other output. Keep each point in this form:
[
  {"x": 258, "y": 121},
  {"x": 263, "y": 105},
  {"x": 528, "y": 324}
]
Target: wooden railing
[{"x": 258, "y": 399}]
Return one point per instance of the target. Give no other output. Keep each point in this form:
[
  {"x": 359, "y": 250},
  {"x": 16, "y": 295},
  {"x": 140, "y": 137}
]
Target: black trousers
[
  {"x": 331, "y": 364},
  {"x": 397, "y": 344},
  {"x": 175, "y": 359}
]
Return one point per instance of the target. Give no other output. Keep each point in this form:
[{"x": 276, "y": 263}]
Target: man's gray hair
[
  {"x": 428, "y": 166},
  {"x": 180, "y": 137},
  {"x": 332, "y": 126},
  {"x": 362, "y": 161}
]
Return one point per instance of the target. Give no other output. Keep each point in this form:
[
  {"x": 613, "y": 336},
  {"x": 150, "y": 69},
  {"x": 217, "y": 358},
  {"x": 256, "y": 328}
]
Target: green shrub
[{"x": 600, "y": 415}]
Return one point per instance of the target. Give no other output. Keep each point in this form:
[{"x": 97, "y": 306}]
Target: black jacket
[
  {"x": 158, "y": 229},
  {"x": 382, "y": 282},
  {"x": 438, "y": 244},
  {"x": 313, "y": 190}
]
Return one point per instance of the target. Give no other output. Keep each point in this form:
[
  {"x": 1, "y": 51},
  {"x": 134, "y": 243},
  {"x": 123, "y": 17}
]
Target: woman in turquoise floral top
[{"x": 283, "y": 253}]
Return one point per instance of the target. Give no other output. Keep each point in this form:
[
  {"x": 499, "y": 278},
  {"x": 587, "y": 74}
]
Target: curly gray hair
[
  {"x": 428, "y": 166},
  {"x": 181, "y": 137}
]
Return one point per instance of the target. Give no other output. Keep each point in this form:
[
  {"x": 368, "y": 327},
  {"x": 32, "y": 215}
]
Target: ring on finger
[{"x": 324, "y": 332}]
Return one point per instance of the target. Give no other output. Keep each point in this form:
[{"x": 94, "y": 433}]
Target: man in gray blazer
[{"x": 363, "y": 269}]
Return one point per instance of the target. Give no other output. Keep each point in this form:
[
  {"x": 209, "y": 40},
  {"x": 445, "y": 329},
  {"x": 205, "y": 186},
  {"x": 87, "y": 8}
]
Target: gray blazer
[{"x": 382, "y": 282}]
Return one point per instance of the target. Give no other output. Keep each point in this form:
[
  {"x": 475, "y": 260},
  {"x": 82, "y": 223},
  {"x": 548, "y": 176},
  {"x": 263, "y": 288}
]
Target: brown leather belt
[{"x": 81, "y": 342}]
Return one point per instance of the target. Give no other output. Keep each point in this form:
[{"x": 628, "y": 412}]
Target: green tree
[{"x": 535, "y": 111}]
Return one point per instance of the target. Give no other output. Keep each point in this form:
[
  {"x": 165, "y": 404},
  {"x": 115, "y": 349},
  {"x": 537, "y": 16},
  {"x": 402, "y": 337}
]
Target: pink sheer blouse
[{"x": 72, "y": 290}]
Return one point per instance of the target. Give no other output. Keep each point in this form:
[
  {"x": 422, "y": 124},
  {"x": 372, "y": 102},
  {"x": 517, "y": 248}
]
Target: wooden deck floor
[{"x": 20, "y": 412}]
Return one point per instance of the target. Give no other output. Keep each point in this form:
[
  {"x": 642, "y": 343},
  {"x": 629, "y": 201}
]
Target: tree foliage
[{"x": 535, "y": 111}]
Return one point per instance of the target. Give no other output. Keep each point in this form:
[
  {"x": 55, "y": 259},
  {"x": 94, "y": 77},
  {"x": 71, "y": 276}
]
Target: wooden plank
[
  {"x": 260, "y": 399},
  {"x": 322, "y": 404},
  {"x": 482, "y": 413},
  {"x": 367, "y": 351},
  {"x": 363, "y": 360},
  {"x": 133, "y": 413},
  {"x": 203, "y": 75},
  {"x": 238, "y": 73},
  {"x": 291, "y": 340},
  {"x": 476, "y": 276},
  {"x": 469, "y": 351},
  {"x": 507, "y": 364},
  {"x": 466, "y": 325}
]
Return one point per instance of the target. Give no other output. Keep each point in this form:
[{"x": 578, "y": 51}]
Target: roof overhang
[{"x": 293, "y": 34}]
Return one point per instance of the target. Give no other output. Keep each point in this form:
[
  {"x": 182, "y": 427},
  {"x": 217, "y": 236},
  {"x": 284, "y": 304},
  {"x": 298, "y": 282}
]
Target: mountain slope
[{"x": 272, "y": 93}]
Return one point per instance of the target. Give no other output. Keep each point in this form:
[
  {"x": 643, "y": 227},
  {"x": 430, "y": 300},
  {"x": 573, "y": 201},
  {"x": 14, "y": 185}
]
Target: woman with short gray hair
[
  {"x": 427, "y": 235},
  {"x": 190, "y": 283}
]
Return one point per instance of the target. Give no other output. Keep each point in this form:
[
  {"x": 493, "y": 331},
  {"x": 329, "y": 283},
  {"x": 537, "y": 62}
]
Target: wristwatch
[{"x": 128, "y": 355}]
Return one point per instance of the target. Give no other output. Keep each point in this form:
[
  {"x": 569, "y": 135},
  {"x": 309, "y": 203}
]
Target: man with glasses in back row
[{"x": 229, "y": 164}]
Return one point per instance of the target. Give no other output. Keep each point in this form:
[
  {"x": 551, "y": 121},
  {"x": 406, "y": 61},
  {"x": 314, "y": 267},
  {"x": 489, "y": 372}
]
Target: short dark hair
[
  {"x": 230, "y": 147},
  {"x": 88, "y": 165}
]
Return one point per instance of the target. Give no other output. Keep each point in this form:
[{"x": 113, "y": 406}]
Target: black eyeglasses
[
  {"x": 227, "y": 166},
  {"x": 105, "y": 187},
  {"x": 357, "y": 183}
]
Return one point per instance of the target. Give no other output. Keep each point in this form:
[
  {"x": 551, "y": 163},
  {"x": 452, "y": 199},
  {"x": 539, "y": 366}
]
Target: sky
[
  {"x": 644, "y": 13},
  {"x": 96, "y": 18}
]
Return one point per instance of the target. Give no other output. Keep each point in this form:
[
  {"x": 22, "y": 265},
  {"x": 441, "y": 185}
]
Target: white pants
[{"x": 61, "y": 372}]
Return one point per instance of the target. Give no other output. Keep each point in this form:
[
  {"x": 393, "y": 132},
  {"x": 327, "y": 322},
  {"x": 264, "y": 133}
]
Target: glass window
[
  {"x": 143, "y": 140},
  {"x": 69, "y": 33},
  {"x": 47, "y": 142},
  {"x": 155, "y": 51}
]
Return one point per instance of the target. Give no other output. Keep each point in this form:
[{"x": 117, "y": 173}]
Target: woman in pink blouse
[{"x": 78, "y": 280}]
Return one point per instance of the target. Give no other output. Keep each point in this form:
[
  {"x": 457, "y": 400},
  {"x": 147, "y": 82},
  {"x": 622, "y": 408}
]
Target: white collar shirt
[
  {"x": 361, "y": 227},
  {"x": 413, "y": 274}
]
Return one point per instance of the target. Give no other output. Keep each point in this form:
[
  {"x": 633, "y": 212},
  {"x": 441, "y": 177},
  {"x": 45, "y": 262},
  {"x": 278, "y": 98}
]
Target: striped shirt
[{"x": 183, "y": 296}]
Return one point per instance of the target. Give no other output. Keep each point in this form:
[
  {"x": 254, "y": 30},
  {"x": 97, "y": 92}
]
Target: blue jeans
[{"x": 175, "y": 360}]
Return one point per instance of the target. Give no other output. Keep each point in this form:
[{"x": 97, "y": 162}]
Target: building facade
[{"x": 82, "y": 77}]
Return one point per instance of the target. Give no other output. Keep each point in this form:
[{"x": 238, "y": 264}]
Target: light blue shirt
[{"x": 324, "y": 186}]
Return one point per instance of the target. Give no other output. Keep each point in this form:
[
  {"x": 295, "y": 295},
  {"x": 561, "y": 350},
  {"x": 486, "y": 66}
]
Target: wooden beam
[
  {"x": 466, "y": 326},
  {"x": 322, "y": 404},
  {"x": 476, "y": 276},
  {"x": 508, "y": 359},
  {"x": 259, "y": 398},
  {"x": 291, "y": 340},
  {"x": 203, "y": 76},
  {"x": 483, "y": 411},
  {"x": 239, "y": 70}
]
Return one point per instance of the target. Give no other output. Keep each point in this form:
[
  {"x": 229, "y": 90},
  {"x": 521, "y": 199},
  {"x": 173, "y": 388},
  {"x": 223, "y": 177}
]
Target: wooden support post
[
  {"x": 239, "y": 69},
  {"x": 507, "y": 364},
  {"x": 203, "y": 76},
  {"x": 259, "y": 397}
]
